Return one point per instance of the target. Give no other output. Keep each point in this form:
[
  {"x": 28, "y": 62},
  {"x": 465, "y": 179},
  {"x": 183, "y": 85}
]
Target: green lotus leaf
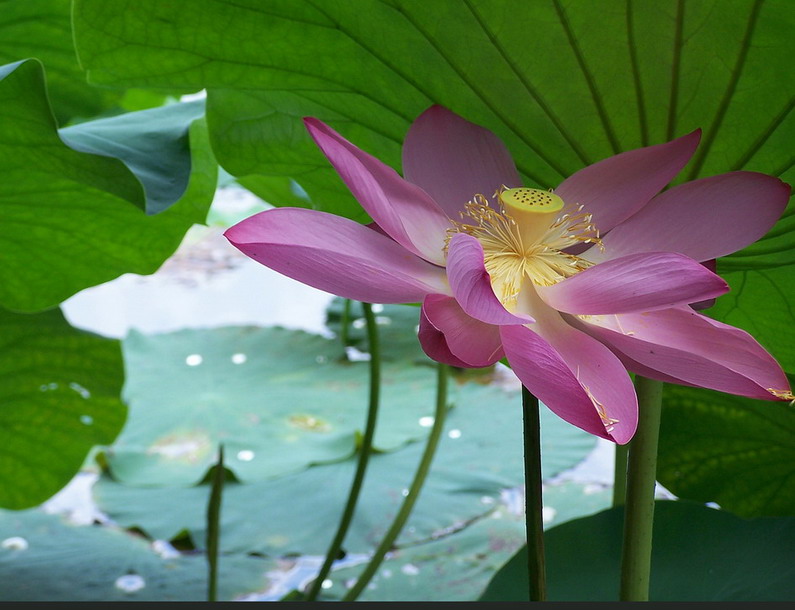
[
  {"x": 73, "y": 219},
  {"x": 60, "y": 397}
]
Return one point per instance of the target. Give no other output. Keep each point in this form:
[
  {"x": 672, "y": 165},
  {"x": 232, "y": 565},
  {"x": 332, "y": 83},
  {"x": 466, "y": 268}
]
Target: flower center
[{"x": 525, "y": 238}]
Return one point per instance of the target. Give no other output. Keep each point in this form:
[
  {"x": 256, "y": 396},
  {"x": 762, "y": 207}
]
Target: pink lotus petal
[
  {"x": 470, "y": 340},
  {"x": 617, "y": 187},
  {"x": 434, "y": 344},
  {"x": 337, "y": 255},
  {"x": 471, "y": 283},
  {"x": 703, "y": 219},
  {"x": 681, "y": 345},
  {"x": 400, "y": 208},
  {"x": 453, "y": 159},
  {"x": 638, "y": 282},
  {"x": 575, "y": 376}
]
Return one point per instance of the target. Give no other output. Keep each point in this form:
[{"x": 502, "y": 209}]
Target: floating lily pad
[
  {"x": 479, "y": 458},
  {"x": 571, "y": 500},
  {"x": 456, "y": 567},
  {"x": 460, "y": 563},
  {"x": 43, "y": 558},
  {"x": 279, "y": 400}
]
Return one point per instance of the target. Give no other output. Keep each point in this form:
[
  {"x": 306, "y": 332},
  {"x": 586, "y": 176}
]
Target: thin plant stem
[
  {"x": 364, "y": 451},
  {"x": 641, "y": 481},
  {"x": 414, "y": 491},
  {"x": 213, "y": 526},
  {"x": 345, "y": 323},
  {"x": 620, "y": 475},
  {"x": 536, "y": 564}
]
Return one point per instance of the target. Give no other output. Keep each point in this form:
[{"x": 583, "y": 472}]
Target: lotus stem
[
  {"x": 213, "y": 525},
  {"x": 364, "y": 450},
  {"x": 414, "y": 490},
  {"x": 641, "y": 482},
  {"x": 345, "y": 322},
  {"x": 620, "y": 475},
  {"x": 534, "y": 520}
]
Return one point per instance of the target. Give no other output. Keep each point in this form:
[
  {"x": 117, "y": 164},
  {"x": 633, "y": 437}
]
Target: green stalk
[
  {"x": 414, "y": 491},
  {"x": 364, "y": 451},
  {"x": 620, "y": 475},
  {"x": 345, "y": 323},
  {"x": 641, "y": 480},
  {"x": 213, "y": 525},
  {"x": 534, "y": 520}
]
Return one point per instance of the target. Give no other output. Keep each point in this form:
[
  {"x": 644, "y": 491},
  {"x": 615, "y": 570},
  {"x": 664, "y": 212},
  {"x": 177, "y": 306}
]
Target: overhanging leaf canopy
[{"x": 78, "y": 206}]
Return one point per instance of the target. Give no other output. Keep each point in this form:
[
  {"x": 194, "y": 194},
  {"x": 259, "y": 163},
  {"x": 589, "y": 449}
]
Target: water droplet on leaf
[
  {"x": 130, "y": 583},
  {"x": 15, "y": 543},
  {"x": 194, "y": 360}
]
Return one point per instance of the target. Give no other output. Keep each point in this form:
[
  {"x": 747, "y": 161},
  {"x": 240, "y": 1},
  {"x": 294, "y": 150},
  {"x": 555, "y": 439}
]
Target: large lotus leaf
[
  {"x": 699, "y": 554},
  {"x": 561, "y": 92},
  {"x": 478, "y": 461},
  {"x": 59, "y": 397},
  {"x": 705, "y": 435},
  {"x": 773, "y": 251},
  {"x": 43, "y": 29},
  {"x": 45, "y": 559},
  {"x": 72, "y": 219},
  {"x": 759, "y": 303},
  {"x": 271, "y": 154}
]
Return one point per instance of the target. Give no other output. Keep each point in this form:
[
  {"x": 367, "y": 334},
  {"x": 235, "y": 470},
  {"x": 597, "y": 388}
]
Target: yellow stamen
[
  {"x": 783, "y": 395},
  {"x": 524, "y": 237},
  {"x": 608, "y": 422}
]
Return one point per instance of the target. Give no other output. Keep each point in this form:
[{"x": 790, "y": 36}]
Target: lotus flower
[{"x": 574, "y": 286}]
